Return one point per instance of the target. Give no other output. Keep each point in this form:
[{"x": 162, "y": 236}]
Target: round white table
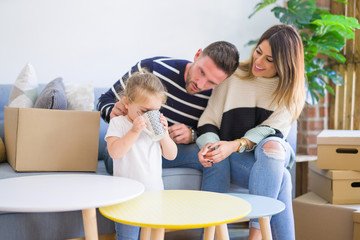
[{"x": 67, "y": 192}]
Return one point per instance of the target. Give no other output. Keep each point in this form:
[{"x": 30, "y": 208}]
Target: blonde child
[{"x": 134, "y": 153}]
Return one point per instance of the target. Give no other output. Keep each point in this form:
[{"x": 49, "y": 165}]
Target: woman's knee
[{"x": 274, "y": 149}]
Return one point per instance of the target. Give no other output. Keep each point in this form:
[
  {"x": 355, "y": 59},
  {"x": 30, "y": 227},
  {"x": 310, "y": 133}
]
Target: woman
[{"x": 248, "y": 118}]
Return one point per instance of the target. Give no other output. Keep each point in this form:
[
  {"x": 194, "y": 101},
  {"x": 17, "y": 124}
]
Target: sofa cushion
[
  {"x": 6, "y": 171},
  {"x": 25, "y": 89},
  {"x": 181, "y": 178},
  {"x": 80, "y": 97},
  {"x": 53, "y": 96},
  {"x": 103, "y": 125}
]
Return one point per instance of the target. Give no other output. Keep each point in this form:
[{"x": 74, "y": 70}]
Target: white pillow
[
  {"x": 25, "y": 90},
  {"x": 80, "y": 96}
]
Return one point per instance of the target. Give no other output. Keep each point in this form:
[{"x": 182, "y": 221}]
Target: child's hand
[
  {"x": 164, "y": 122},
  {"x": 139, "y": 124}
]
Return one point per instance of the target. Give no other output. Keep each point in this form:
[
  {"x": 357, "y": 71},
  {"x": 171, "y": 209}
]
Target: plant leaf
[
  {"x": 251, "y": 42},
  {"x": 330, "y": 89},
  {"x": 311, "y": 97},
  {"x": 345, "y": 2},
  {"x": 341, "y": 24},
  {"x": 329, "y": 41},
  {"x": 261, "y": 5},
  {"x": 298, "y": 12}
]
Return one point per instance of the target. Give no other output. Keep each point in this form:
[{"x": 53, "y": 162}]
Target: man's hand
[
  {"x": 180, "y": 133},
  {"x": 118, "y": 109}
]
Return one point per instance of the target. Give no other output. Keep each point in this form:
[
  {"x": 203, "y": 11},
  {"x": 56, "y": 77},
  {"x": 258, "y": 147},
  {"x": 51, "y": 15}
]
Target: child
[{"x": 135, "y": 154}]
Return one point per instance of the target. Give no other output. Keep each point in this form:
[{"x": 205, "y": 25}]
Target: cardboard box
[
  {"x": 335, "y": 186},
  {"x": 51, "y": 140},
  {"x": 339, "y": 149},
  {"x": 356, "y": 218},
  {"x": 315, "y": 218}
]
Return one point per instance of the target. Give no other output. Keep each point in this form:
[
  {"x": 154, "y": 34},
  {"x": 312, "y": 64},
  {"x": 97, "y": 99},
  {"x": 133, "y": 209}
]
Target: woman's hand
[{"x": 213, "y": 153}]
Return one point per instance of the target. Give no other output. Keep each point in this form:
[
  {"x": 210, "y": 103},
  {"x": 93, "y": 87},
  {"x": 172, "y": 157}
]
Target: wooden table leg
[
  {"x": 209, "y": 233},
  {"x": 145, "y": 233},
  {"x": 222, "y": 232},
  {"x": 265, "y": 228},
  {"x": 90, "y": 224},
  {"x": 157, "y": 233}
]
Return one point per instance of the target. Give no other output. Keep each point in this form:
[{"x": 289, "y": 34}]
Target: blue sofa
[{"x": 66, "y": 225}]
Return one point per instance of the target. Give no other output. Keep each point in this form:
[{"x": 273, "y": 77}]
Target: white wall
[{"x": 96, "y": 41}]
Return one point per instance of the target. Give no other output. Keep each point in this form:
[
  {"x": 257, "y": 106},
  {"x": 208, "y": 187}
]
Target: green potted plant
[{"x": 323, "y": 35}]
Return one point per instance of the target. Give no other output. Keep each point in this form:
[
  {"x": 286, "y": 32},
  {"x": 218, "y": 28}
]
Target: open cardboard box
[
  {"x": 316, "y": 218},
  {"x": 339, "y": 149},
  {"x": 51, "y": 140}
]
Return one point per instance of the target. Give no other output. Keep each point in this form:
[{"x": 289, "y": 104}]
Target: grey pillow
[{"x": 53, "y": 96}]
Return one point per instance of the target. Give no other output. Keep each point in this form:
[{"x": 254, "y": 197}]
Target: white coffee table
[{"x": 67, "y": 192}]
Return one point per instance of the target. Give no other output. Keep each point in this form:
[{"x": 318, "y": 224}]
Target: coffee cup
[{"x": 154, "y": 128}]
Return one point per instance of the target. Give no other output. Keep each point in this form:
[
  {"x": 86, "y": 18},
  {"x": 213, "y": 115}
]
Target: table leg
[
  {"x": 265, "y": 228},
  {"x": 90, "y": 224},
  {"x": 145, "y": 233},
  {"x": 209, "y": 233},
  {"x": 157, "y": 233},
  {"x": 222, "y": 232}
]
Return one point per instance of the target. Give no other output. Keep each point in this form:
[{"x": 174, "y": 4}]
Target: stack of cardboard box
[{"x": 332, "y": 209}]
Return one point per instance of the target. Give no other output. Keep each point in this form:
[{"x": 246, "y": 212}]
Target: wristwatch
[
  {"x": 243, "y": 145},
  {"x": 193, "y": 135}
]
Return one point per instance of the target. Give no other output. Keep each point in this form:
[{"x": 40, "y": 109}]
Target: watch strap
[{"x": 242, "y": 146}]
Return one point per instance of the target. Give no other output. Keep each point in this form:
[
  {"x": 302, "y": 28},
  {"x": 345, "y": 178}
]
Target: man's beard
[{"x": 188, "y": 82}]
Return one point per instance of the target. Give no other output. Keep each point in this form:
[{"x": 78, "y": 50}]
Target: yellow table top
[{"x": 178, "y": 209}]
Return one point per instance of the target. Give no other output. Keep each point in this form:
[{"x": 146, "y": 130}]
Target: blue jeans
[
  {"x": 215, "y": 179},
  {"x": 126, "y": 232},
  {"x": 108, "y": 161},
  {"x": 267, "y": 175}
]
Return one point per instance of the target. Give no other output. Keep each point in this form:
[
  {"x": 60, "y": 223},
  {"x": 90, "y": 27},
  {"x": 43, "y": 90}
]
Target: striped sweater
[
  {"x": 180, "y": 107},
  {"x": 242, "y": 108}
]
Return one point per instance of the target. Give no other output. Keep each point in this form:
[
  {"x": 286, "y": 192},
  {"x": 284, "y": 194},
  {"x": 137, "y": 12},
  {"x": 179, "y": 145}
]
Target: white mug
[{"x": 154, "y": 127}]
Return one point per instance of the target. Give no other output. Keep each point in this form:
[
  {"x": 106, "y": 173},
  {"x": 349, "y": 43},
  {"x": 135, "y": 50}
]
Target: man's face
[{"x": 203, "y": 75}]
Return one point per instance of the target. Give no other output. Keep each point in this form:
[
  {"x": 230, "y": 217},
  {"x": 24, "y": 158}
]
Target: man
[{"x": 189, "y": 86}]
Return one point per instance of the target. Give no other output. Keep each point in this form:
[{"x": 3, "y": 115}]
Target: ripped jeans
[{"x": 263, "y": 171}]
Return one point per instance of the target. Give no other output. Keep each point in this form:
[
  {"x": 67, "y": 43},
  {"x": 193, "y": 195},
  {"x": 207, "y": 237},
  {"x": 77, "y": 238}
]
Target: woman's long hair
[{"x": 288, "y": 58}]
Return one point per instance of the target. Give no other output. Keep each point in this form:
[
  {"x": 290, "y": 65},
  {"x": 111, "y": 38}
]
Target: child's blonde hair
[{"x": 142, "y": 84}]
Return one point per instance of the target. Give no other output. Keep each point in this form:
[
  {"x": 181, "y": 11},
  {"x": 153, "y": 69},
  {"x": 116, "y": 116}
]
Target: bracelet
[{"x": 243, "y": 145}]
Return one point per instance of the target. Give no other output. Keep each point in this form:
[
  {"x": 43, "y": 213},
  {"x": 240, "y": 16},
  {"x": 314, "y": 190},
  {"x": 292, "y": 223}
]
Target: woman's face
[{"x": 263, "y": 61}]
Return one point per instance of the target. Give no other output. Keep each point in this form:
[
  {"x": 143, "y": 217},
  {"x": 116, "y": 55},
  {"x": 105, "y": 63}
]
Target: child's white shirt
[{"x": 143, "y": 162}]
